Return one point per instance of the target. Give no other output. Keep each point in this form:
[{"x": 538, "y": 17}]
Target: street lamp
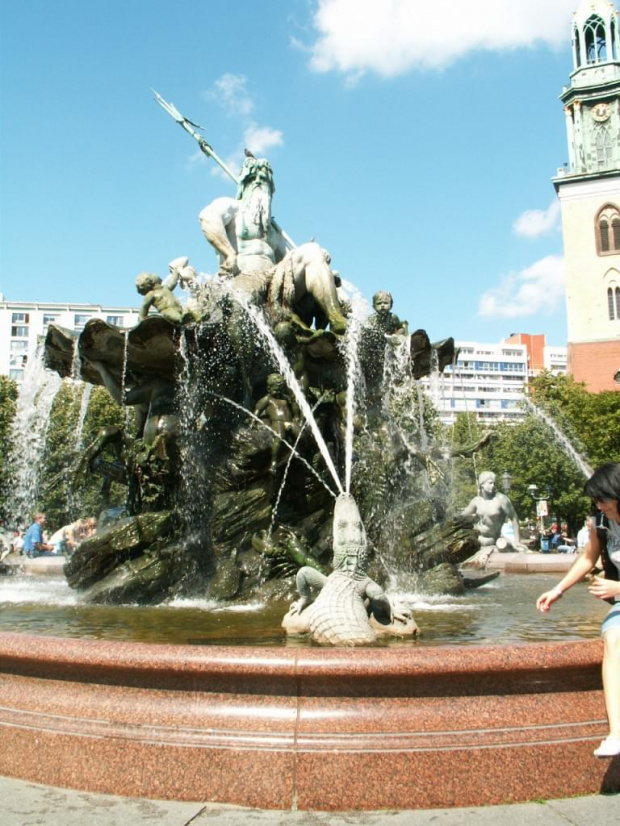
[
  {"x": 541, "y": 497},
  {"x": 506, "y": 481}
]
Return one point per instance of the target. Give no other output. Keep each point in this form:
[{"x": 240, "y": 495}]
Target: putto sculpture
[{"x": 250, "y": 413}]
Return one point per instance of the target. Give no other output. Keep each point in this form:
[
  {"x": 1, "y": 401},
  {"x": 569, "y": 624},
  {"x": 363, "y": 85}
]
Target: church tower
[{"x": 589, "y": 193}]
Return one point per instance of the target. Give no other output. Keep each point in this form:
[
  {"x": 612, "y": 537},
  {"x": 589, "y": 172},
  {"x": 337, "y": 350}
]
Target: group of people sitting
[{"x": 64, "y": 541}]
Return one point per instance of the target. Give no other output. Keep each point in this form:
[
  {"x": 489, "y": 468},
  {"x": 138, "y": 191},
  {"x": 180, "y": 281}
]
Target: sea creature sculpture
[{"x": 348, "y": 600}]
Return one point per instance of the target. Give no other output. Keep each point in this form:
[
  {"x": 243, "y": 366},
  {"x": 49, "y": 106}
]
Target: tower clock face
[{"x": 601, "y": 112}]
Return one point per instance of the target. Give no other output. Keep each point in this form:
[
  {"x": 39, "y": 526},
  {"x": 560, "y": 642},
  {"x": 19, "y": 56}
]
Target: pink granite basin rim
[
  {"x": 396, "y": 672},
  {"x": 305, "y": 728}
]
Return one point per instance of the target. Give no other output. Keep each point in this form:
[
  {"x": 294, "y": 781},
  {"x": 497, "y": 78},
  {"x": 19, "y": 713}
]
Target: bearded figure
[{"x": 240, "y": 229}]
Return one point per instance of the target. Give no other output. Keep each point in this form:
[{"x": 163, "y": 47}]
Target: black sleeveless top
[{"x": 601, "y": 524}]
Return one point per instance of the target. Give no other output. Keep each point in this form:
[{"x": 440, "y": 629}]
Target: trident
[{"x": 208, "y": 150}]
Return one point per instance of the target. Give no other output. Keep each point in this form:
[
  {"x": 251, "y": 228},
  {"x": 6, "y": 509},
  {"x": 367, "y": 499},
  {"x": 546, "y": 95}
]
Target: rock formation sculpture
[{"x": 227, "y": 484}]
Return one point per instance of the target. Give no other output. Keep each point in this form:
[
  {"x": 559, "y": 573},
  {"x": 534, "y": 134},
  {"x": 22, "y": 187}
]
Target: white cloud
[
  {"x": 259, "y": 139},
  {"x": 231, "y": 92},
  {"x": 536, "y": 289},
  {"x": 535, "y": 222},
  {"x": 394, "y": 36}
]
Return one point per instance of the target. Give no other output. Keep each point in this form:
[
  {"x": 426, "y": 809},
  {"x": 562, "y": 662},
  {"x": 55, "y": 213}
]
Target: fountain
[{"x": 248, "y": 417}]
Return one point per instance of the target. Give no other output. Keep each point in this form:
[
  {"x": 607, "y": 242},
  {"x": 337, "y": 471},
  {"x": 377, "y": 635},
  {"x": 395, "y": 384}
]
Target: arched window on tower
[
  {"x": 594, "y": 35},
  {"x": 612, "y": 286},
  {"x": 608, "y": 230},
  {"x": 604, "y": 146},
  {"x": 577, "y": 47}
]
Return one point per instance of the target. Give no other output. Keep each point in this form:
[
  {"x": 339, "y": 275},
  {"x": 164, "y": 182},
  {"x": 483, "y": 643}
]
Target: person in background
[
  {"x": 583, "y": 534},
  {"x": 604, "y": 540},
  {"x": 566, "y": 545},
  {"x": 67, "y": 538},
  {"x": 33, "y": 541},
  {"x": 17, "y": 542}
]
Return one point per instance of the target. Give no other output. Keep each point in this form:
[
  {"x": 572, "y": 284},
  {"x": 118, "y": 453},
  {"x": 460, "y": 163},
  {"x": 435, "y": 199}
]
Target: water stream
[
  {"x": 34, "y": 403},
  {"x": 87, "y": 389},
  {"x": 564, "y": 441},
  {"x": 359, "y": 311},
  {"x": 289, "y": 447},
  {"x": 255, "y": 314}
]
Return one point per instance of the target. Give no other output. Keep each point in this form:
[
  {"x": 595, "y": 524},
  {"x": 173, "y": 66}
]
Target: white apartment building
[
  {"x": 555, "y": 359},
  {"x": 490, "y": 380},
  {"x": 22, "y": 323},
  {"x": 487, "y": 379}
]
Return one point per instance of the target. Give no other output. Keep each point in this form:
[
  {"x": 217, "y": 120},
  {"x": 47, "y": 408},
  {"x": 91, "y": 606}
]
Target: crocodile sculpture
[{"x": 350, "y": 608}]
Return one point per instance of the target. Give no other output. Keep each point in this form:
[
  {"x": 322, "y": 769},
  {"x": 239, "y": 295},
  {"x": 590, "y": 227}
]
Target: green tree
[
  {"x": 466, "y": 430},
  {"x": 531, "y": 456},
  {"x": 591, "y": 421},
  {"x": 8, "y": 401},
  {"x": 61, "y": 499}
]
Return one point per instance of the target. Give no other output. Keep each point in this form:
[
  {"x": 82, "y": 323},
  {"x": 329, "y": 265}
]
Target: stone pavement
[{"x": 30, "y": 804}]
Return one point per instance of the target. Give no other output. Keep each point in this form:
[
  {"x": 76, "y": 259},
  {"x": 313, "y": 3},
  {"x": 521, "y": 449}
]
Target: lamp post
[
  {"x": 506, "y": 482},
  {"x": 541, "y": 497}
]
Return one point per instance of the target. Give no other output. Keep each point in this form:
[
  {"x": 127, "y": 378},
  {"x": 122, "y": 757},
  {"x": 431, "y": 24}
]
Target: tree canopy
[{"x": 532, "y": 453}]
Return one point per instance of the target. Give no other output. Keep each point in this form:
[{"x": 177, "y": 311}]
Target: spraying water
[
  {"x": 84, "y": 401},
  {"x": 423, "y": 433},
  {"x": 124, "y": 378},
  {"x": 34, "y": 404},
  {"x": 581, "y": 463},
  {"x": 292, "y": 453},
  {"x": 291, "y": 448},
  {"x": 76, "y": 363},
  {"x": 291, "y": 379},
  {"x": 359, "y": 311},
  {"x": 435, "y": 388}
]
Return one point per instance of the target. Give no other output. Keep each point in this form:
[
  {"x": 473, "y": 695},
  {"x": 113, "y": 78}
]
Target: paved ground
[{"x": 29, "y": 804}]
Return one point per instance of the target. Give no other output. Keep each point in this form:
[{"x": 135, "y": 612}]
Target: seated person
[
  {"x": 583, "y": 535},
  {"x": 566, "y": 545},
  {"x": 33, "y": 540},
  {"x": 66, "y": 539},
  {"x": 17, "y": 542}
]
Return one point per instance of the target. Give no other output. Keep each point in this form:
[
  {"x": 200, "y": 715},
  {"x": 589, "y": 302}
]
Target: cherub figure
[
  {"x": 189, "y": 281},
  {"x": 281, "y": 413},
  {"x": 383, "y": 327},
  {"x": 158, "y": 294},
  {"x": 384, "y": 320}
]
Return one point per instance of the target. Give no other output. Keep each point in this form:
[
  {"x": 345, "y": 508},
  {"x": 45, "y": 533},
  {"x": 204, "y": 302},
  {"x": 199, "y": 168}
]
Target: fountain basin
[
  {"x": 42, "y": 565},
  {"x": 533, "y": 563},
  {"x": 309, "y": 728}
]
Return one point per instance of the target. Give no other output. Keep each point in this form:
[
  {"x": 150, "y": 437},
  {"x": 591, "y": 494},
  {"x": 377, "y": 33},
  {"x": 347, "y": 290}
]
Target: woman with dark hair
[{"x": 604, "y": 488}]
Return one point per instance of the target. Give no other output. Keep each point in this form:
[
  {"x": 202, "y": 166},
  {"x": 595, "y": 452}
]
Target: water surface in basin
[{"x": 500, "y": 612}]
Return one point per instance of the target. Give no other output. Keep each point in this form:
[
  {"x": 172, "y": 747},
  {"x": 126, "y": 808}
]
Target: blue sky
[{"x": 415, "y": 141}]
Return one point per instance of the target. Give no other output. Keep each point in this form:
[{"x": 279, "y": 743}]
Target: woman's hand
[
  {"x": 604, "y": 588},
  {"x": 546, "y": 600}
]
